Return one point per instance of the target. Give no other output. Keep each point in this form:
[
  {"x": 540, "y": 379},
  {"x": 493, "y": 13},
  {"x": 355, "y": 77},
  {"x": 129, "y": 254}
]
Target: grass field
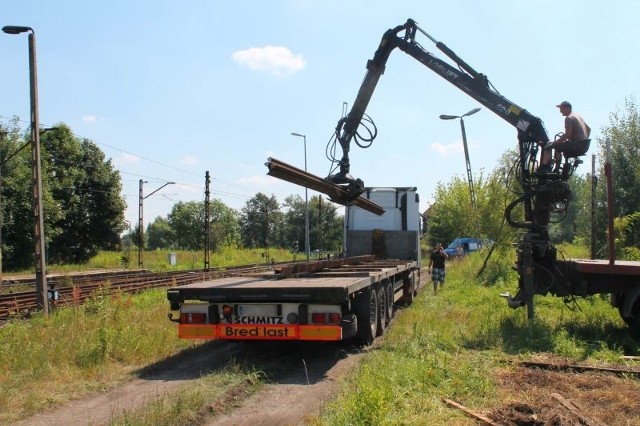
[
  {"x": 451, "y": 345},
  {"x": 445, "y": 346}
]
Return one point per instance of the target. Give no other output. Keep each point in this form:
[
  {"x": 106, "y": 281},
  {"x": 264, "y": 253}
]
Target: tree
[
  {"x": 187, "y": 223},
  {"x": 224, "y": 228},
  {"x": 294, "y": 228},
  {"x": 572, "y": 223},
  {"x": 261, "y": 221},
  {"x": 452, "y": 214},
  {"x": 325, "y": 226},
  {"x": 83, "y": 208},
  {"x": 159, "y": 234},
  {"x": 88, "y": 213},
  {"x": 627, "y": 231},
  {"x": 623, "y": 133},
  {"x": 16, "y": 199}
]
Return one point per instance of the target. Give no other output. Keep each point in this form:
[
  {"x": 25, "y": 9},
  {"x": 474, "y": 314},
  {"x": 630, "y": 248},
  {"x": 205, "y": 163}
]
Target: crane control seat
[{"x": 572, "y": 153}]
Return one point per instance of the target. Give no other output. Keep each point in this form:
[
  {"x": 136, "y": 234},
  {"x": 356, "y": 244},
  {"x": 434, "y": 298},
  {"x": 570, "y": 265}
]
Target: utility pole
[
  {"x": 140, "y": 217},
  {"x": 140, "y": 225},
  {"x": 42, "y": 291},
  {"x": 207, "y": 221},
  {"x": 594, "y": 182},
  {"x": 2, "y": 135}
]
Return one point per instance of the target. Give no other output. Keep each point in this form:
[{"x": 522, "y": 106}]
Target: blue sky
[{"x": 169, "y": 90}]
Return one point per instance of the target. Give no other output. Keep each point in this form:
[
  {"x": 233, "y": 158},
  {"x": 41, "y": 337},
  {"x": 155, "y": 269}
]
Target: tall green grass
[
  {"x": 158, "y": 260},
  {"x": 47, "y": 361},
  {"x": 451, "y": 345}
]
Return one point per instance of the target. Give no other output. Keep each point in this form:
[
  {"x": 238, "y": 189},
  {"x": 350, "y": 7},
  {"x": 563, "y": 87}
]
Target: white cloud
[
  {"x": 276, "y": 60},
  {"x": 89, "y": 118},
  {"x": 189, "y": 160}
]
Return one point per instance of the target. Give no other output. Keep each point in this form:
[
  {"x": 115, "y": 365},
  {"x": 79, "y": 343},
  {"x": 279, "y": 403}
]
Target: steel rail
[
  {"x": 336, "y": 193},
  {"x": 75, "y": 289}
]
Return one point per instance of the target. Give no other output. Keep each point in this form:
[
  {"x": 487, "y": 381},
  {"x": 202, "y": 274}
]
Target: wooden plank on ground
[
  {"x": 577, "y": 410},
  {"x": 469, "y": 412}
]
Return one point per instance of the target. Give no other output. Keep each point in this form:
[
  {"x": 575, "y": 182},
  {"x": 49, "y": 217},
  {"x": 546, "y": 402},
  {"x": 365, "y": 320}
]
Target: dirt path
[
  {"x": 293, "y": 391},
  {"x": 294, "y": 397},
  {"x": 100, "y": 408}
]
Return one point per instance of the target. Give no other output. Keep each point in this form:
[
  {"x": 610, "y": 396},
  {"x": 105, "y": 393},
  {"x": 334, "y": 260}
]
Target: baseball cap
[{"x": 564, "y": 104}]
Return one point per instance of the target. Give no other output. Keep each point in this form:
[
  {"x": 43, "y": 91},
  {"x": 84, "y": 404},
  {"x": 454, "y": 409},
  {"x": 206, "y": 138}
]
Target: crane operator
[{"x": 575, "y": 140}]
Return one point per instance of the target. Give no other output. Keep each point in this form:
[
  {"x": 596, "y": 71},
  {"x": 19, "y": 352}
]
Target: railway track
[{"x": 76, "y": 288}]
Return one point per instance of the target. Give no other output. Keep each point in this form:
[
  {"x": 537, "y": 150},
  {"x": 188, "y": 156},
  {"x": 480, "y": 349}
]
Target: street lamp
[
  {"x": 2, "y": 135},
  {"x": 140, "y": 221},
  {"x": 38, "y": 226},
  {"x": 307, "y": 249},
  {"x": 466, "y": 150}
]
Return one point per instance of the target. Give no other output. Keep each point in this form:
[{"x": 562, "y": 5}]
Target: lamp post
[
  {"x": 38, "y": 228},
  {"x": 2, "y": 135},
  {"x": 140, "y": 217},
  {"x": 466, "y": 150},
  {"x": 307, "y": 248}
]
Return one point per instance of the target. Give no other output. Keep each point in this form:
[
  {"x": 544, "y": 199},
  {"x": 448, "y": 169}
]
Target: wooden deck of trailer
[{"x": 325, "y": 281}]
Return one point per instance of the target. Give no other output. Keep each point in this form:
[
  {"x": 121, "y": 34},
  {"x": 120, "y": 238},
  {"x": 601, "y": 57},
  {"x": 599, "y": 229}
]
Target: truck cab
[{"x": 394, "y": 234}]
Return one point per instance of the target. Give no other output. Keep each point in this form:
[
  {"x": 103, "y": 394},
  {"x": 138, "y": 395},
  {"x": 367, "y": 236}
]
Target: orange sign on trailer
[{"x": 259, "y": 332}]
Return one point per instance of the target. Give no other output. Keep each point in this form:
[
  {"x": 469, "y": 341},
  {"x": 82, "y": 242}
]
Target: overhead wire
[{"x": 158, "y": 163}]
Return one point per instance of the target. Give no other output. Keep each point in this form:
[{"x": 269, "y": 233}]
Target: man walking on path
[{"x": 437, "y": 260}]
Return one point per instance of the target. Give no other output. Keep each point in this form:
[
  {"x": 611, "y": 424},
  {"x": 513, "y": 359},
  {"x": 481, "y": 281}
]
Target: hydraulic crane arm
[
  {"x": 530, "y": 128},
  {"x": 542, "y": 194}
]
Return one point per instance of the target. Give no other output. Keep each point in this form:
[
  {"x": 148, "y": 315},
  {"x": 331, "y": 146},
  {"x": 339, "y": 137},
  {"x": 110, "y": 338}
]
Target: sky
[{"x": 170, "y": 90}]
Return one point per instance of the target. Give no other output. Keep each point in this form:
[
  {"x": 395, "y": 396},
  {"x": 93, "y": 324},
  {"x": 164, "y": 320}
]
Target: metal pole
[
  {"x": 466, "y": 150},
  {"x": 36, "y": 171},
  {"x": 307, "y": 247},
  {"x": 38, "y": 232},
  {"x": 2, "y": 133},
  {"x": 466, "y": 157},
  {"x": 140, "y": 221},
  {"x": 207, "y": 221},
  {"x": 609, "y": 174},
  {"x": 140, "y": 226},
  {"x": 594, "y": 182},
  {"x": 307, "y": 244}
]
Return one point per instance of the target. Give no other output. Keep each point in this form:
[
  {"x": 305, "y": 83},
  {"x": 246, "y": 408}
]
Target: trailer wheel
[
  {"x": 633, "y": 320},
  {"x": 388, "y": 292},
  {"x": 382, "y": 310},
  {"x": 366, "y": 308},
  {"x": 409, "y": 288}
]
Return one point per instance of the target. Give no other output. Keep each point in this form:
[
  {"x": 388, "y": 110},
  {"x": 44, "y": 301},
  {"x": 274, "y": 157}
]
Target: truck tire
[
  {"x": 409, "y": 288},
  {"x": 632, "y": 320},
  {"x": 366, "y": 309},
  {"x": 382, "y": 309},
  {"x": 388, "y": 292}
]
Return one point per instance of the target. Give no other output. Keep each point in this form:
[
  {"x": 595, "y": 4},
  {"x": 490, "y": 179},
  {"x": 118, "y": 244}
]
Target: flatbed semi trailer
[
  {"x": 350, "y": 297},
  {"x": 331, "y": 303}
]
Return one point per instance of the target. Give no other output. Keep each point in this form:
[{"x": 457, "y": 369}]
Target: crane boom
[
  {"x": 530, "y": 128},
  {"x": 541, "y": 193}
]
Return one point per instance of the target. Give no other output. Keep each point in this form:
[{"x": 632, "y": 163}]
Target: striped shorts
[{"x": 437, "y": 274}]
